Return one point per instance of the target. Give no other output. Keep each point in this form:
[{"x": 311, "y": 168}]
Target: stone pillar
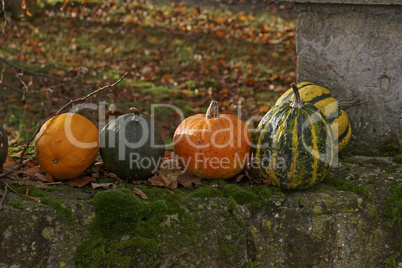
[{"x": 354, "y": 48}]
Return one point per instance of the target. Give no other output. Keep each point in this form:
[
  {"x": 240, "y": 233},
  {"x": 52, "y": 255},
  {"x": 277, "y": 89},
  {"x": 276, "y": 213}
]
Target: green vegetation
[
  {"x": 121, "y": 213},
  {"x": 15, "y": 204},
  {"x": 166, "y": 61},
  {"x": 391, "y": 260},
  {"x": 393, "y": 205},
  {"x": 225, "y": 254},
  {"x": 346, "y": 186},
  {"x": 398, "y": 158},
  {"x": 386, "y": 150},
  {"x": 61, "y": 210},
  {"x": 206, "y": 192}
]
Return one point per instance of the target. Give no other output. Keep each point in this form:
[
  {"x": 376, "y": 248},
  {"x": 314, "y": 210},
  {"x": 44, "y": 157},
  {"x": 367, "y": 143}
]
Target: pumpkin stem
[
  {"x": 297, "y": 102},
  {"x": 136, "y": 113},
  {"x": 213, "y": 110}
]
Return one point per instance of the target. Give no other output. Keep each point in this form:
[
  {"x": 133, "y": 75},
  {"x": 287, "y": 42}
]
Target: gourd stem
[
  {"x": 213, "y": 110},
  {"x": 297, "y": 102},
  {"x": 136, "y": 113}
]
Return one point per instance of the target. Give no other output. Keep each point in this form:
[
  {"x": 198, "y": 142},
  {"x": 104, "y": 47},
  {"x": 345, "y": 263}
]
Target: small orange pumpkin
[
  {"x": 67, "y": 145},
  {"x": 211, "y": 145}
]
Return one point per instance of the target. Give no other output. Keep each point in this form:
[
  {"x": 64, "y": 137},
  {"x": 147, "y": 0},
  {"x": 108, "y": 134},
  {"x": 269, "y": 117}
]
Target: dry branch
[
  {"x": 97, "y": 94},
  {"x": 42, "y": 74}
]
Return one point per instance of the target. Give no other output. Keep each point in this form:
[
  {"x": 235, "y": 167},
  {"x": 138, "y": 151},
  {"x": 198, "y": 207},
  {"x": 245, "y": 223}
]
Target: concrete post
[{"x": 354, "y": 48}]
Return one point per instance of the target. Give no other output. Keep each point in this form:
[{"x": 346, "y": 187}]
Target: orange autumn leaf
[
  {"x": 64, "y": 5},
  {"x": 23, "y": 4},
  {"x": 241, "y": 17}
]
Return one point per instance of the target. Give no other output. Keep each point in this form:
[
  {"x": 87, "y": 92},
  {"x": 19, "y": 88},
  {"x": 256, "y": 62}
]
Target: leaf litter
[{"x": 261, "y": 59}]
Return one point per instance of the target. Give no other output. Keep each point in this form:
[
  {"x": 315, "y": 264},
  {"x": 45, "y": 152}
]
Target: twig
[
  {"x": 20, "y": 90},
  {"x": 3, "y": 9},
  {"x": 4, "y": 195},
  {"x": 20, "y": 164},
  {"x": 41, "y": 74},
  {"x": 71, "y": 102},
  {"x": 346, "y": 104},
  {"x": 87, "y": 97},
  {"x": 10, "y": 171},
  {"x": 23, "y": 195}
]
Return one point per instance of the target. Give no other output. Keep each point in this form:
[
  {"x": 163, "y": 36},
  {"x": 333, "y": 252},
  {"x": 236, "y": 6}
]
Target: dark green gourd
[
  {"x": 131, "y": 146},
  {"x": 3, "y": 145}
]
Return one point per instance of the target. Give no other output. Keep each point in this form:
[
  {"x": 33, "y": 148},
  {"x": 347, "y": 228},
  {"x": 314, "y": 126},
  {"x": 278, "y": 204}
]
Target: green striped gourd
[
  {"x": 321, "y": 97},
  {"x": 294, "y": 146}
]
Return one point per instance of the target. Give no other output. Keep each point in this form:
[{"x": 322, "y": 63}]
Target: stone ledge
[
  {"x": 327, "y": 226},
  {"x": 348, "y": 2}
]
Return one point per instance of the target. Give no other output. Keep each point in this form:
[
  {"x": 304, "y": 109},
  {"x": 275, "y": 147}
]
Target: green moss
[
  {"x": 390, "y": 170},
  {"x": 120, "y": 213},
  {"x": 277, "y": 191},
  {"x": 3, "y": 223},
  {"x": 79, "y": 198},
  {"x": 206, "y": 192},
  {"x": 52, "y": 188},
  {"x": 225, "y": 254},
  {"x": 239, "y": 221},
  {"x": 232, "y": 205},
  {"x": 398, "y": 159},
  {"x": 391, "y": 260},
  {"x": 37, "y": 192},
  {"x": 255, "y": 196},
  {"x": 391, "y": 149},
  {"x": 386, "y": 150},
  {"x": 227, "y": 224},
  {"x": 61, "y": 211},
  {"x": 299, "y": 201},
  {"x": 349, "y": 160},
  {"x": 264, "y": 192},
  {"x": 367, "y": 152},
  {"x": 15, "y": 204},
  {"x": 251, "y": 264},
  {"x": 393, "y": 205},
  {"x": 355, "y": 176},
  {"x": 346, "y": 186}
]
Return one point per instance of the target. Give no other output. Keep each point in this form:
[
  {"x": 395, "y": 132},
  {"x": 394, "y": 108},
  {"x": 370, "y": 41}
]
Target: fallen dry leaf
[
  {"x": 40, "y": 176},
  {"x": 266, "y": 181},
  {"x": 188, "y": 180},
  {"x": 107, "y": 186},
  {"x": 32, "y": 171},
  {"x": 27, "y": 181},
  {"x": 140, "y": 193},
  {"x": 80, "y": 181},
  {"x": 157, "y": 181},
  {"x": 112, "y": 175},
  {"x": 49, "y": 178},
  {"x": 10, "y": 163},
  {"x": 169, "y": 176}
]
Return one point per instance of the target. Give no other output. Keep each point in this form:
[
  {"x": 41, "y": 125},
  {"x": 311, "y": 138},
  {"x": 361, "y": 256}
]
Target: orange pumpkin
[
  {"x": 67, "y": 145},
  {"x": 211, "y": 145}
]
